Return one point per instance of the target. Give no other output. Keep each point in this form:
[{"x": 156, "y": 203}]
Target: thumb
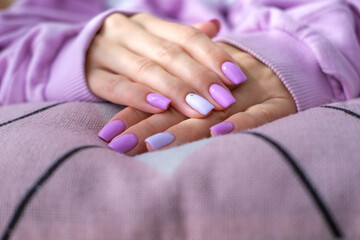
[{"x": 210, "y": 28}]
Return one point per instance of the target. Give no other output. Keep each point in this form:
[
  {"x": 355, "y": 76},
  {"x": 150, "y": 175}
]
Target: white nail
[{"x": 198, "y": 103}]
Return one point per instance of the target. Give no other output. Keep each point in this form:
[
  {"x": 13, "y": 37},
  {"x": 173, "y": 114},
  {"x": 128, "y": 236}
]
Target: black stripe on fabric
[
  {"x": 325, "y": 211},
  {"x": 30, "y": 114},
  {"x": 351, "y": 113},
  {"x": 19, "y": 210}
]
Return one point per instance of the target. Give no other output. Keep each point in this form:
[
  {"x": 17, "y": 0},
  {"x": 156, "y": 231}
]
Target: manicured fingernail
[
  {"x": 111, "y": 130},
  {"x": 216, "y": 23},
  {"x": 198, "y": 103},
  {"x": 158, "y": 101},
  {"x": 221, "y": 96},
  {"x": 233, "y": 73},
  {"x": 124, "y": 143},
  {"x": 222, "y": 128},
  {"x": 160, "y": 140}
]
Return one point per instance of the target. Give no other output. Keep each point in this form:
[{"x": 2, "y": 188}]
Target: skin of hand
[
  {"x": 6, "y": 3},
  {"x": 261, "y": 99},
  {"x": 132, "y": 57}
]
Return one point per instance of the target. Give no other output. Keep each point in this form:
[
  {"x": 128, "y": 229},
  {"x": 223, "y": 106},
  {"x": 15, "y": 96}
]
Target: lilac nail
[
  {"x": 221, "y": 96},
  {"x": 158, "y": 100},
  {"x": 160, "y": 140},
  {"x": 124, "y": 143},
  {"x": 233, "y": 73},
  {"x": 111, "y": 130},
  {"x": 222, "y": 128}
]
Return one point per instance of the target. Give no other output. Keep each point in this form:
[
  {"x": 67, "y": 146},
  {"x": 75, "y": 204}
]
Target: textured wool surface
[{"x": 295, "y": 178}]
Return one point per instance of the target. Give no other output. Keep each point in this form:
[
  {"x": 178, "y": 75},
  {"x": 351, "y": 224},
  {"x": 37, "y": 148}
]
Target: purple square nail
[{"x": 111, "y": 130}]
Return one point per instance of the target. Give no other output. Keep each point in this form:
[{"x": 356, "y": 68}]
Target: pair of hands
[{"x": 133, "y": 57}]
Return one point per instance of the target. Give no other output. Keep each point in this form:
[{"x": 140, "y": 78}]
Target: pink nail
[
  {"x": 233, "y": 73},
  {"x": 124, "y": 143},
  {"x": 216, "y": 23},
  {"x": 111, "y": 130},
  {"x": 221, "y": 95},
  {"x": 158, "y": 101},
  {"x": 222, "y": 128}
]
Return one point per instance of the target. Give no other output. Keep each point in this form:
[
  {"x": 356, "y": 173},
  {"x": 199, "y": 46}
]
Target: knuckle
[
  {"x": 248, "y": 61},
  {"x": 144, "y": 65},
  {"x": 189, "y": 33},
  {"x": 251, "y": 122},
  {"x": 152, "y": 127},
  {"x": 114, "y": 20},
  {"x": 168, "y": 51},
  {"x": 202, "y": 77},
  {"x": 267, "y": 115},
  {"x": 175, "y": 87},
  {"x": 110, "y": 87},
  {"x": 214, "y": 53}
]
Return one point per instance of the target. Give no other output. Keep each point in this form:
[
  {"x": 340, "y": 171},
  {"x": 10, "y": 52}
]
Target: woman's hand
[
  {"x": 143, "y": 62},
  {"x": 261, "y": 99}
]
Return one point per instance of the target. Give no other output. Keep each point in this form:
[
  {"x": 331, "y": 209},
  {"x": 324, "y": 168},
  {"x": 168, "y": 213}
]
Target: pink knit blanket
[{"x": 295, "y": 178}]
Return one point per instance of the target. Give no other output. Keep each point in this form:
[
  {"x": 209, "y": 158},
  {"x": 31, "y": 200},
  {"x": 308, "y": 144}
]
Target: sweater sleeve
[
  {"x": 43, "y": 46},
  {"x": 312, "y": 45}
]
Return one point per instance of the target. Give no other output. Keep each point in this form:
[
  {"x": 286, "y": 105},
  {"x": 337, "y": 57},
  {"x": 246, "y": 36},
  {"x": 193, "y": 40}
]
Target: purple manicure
[
  {"x": 111, "y": 130},
  {"x": 124, "y": 143},
  {"x": 158, "y": 100},
  {"x": 233, "y": 73},
  {"x": 221, "y": 95},
  {"x": 222, "y": 128},
  {"x": 160, "y": 140}
]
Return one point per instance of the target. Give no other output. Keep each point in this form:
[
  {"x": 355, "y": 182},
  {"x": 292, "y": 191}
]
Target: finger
[
  {"x": 254, "y": 116},
  {"x": 195, "y": 43},
  {"x": 121, "y": 90},
  {"x": 132, "y": 140},
  {"x": 120, "y": 122},
  {"x": 146, "y": 72},
  {"x": 195, "y": 129},
  {"x": 139, "y": 46},
  {"x": 186, "y": 131},
  {"x": 210, "y": 28},
  {"x": 178, "y": 130}
]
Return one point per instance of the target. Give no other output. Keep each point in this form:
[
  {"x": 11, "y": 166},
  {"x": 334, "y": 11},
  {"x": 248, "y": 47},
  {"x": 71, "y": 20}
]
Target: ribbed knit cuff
[{"x": 291, "y": 60}]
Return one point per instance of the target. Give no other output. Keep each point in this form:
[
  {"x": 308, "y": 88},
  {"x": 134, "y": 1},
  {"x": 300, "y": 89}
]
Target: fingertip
[
  {"x": 211, "y": 28},
  {"x": 221, "y": 128},
  {"x": 216, "y": 23},
  {"x": 124, "y": 143},
  {"x": 159, "y": 141},
  {"x": 200, "y": 104},
  {"x": 111, "y": 130},
  {"x": 148, "y": 146},
  {"x": 222, "y": 96},
  {"x": 158, "y": 101},
  {"x": 233, "y": 73}
]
